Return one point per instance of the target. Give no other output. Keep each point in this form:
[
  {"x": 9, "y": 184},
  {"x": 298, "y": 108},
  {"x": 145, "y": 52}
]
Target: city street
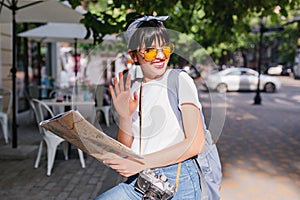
[
  {"x": 259, "y": 145},
  {"x": 259, "y": 149}
]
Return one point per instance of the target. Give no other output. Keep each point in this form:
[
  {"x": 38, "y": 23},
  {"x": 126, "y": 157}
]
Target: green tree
[{"x": 212, "y": 23}]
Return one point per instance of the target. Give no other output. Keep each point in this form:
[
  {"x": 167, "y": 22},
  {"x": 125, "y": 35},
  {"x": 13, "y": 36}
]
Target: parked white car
[
  {"x": 236, "y": 79},
  {"x": 275, "y": 70}
]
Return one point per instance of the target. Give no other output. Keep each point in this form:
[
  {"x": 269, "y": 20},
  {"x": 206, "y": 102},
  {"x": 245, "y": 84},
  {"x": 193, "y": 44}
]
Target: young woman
[{"x": 148, "y": 124}]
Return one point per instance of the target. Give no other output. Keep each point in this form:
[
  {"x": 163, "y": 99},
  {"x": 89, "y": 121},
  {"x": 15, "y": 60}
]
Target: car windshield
[{"x": 234, "y": 73}]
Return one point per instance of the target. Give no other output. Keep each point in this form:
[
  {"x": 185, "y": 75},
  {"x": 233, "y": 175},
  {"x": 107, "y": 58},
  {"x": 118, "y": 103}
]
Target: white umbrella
[
  {"x": 60, "y": 32},
  {"x": 39, "y": 11},
  {"x": 32, "y": 11}
]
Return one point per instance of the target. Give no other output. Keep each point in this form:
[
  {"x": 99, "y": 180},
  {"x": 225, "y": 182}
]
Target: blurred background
[{"x": 247, "y": 53}]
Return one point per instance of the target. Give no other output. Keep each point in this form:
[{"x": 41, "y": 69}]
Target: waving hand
[{"x": 125, "y": 105}]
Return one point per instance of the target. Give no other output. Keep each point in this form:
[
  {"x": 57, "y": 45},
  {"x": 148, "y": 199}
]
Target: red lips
[{"x": 158, "y": 63}]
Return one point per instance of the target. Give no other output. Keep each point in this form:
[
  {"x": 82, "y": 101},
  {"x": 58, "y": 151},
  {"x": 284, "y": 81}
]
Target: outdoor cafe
[{"x": 55, "y": 69}]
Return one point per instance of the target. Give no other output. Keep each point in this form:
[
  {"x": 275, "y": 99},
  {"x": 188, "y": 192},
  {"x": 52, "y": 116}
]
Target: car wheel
[
  {"x": 221, "y": 88},
  {"x": 270, "y": 88}
]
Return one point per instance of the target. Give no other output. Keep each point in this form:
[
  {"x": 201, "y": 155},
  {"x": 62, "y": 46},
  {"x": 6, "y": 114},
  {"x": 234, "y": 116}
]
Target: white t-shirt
[{"x": 160, "y": 127}]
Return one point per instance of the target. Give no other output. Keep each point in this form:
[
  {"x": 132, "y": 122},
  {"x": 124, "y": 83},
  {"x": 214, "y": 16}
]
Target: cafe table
[{"x": 54, "y": 102}]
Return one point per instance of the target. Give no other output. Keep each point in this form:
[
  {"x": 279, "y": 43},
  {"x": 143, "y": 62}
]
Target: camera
[{"x": 154, "y": 187}]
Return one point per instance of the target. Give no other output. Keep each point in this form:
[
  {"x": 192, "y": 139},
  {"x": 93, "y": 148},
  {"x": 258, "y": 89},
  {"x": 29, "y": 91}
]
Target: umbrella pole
[
  {"x": 25, "y": 60},
  {"x": 14, "y": 71},
  {"x": 13, "y": 7},
  {"x": 75, "y": 52},
  {"x": 76, "y": 67}
]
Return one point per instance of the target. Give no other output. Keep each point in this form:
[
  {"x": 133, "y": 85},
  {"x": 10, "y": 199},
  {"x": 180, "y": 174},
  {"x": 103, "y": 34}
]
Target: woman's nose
[{"x": 160, "y": 54}]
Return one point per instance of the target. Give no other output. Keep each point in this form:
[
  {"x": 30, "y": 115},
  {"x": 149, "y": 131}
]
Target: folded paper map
[{"x": 78, "y": 131}]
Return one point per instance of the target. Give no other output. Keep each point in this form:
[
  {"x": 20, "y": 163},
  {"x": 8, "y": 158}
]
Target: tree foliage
[{"x": 210, "y": 22}]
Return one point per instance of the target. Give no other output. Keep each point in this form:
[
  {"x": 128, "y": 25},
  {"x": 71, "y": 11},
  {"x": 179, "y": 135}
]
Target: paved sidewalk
[
  {"x": 259, "y": 149},
  {"x": 259, "y": 146},
  {"x": 68, "y": 181}
]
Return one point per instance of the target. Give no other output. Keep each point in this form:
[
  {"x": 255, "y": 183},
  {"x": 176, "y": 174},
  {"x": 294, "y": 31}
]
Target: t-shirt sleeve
[{"x": 187, "y": 92}]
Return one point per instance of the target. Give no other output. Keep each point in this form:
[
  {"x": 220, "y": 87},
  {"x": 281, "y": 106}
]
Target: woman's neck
[{"x": 147, "y": 79}]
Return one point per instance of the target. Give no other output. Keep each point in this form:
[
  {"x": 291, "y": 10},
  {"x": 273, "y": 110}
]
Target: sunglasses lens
[
  {"x": 150, "y": 54},
  {"x": 168, "y": 49}
]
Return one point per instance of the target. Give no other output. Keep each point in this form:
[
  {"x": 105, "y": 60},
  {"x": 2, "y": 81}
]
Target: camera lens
[{"x": 151, "y": 195}]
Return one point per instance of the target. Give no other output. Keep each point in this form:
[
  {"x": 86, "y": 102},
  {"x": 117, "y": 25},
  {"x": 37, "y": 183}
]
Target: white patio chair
[
  {"x": 5, "y": 107},
  {"x": 99, "y": 97},
  {"x": 41, "y": 110}
]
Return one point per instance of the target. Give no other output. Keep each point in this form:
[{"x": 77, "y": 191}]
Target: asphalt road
[{"x": 259, "y": 145}]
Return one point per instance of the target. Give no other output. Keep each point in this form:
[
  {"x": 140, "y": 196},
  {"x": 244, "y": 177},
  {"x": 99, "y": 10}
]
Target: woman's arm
[
  {"x": 124, "y": 133},
  {"x": 192, "y": 145}
]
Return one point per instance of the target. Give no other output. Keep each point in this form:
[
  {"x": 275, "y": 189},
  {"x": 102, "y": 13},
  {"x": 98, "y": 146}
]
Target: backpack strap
[
  {"x": 203, "y": 184},
  {"x": 208, "y": 188},
  {"x": 173, "y": 90}
]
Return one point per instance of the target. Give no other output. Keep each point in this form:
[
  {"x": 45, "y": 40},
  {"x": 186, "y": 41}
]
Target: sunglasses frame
[{"x": 171, "y": 45}]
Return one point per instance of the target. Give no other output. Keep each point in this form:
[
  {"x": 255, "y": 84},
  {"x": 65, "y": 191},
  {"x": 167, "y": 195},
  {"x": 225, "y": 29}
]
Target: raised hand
[{"x": 123, "y": 102}]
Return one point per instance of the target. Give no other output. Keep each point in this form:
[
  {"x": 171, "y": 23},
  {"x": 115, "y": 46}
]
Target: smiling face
[
  {"x": 149, "y": 47},
  {"x": 155, "y": 66}
]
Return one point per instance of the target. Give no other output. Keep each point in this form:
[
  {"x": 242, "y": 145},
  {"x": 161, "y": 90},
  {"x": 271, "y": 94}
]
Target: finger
[
  {"x": 112, "y": 93},
  {"x": 118, "y": 168},
  {"x": 125, "y": 174},
  {"x": 128, "y": 80},
  {"x": 135, "y": 96},
  {"x": 117, "y": 88},
  {"x": 115, "y": 167},
  {"x": 113, "y": 161},
  {"x": 121, "y": 81}
]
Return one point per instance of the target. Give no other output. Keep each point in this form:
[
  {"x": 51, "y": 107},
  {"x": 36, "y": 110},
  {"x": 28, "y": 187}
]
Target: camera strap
[
  {"x": 140, "y": 135},
  {"x": 177, "y": 176},
  {"x": 140, "y": 115}
]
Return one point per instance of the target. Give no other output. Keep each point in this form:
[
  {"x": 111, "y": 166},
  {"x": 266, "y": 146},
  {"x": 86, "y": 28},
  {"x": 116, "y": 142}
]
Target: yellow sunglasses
[{"x": 151, "y": 53}]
